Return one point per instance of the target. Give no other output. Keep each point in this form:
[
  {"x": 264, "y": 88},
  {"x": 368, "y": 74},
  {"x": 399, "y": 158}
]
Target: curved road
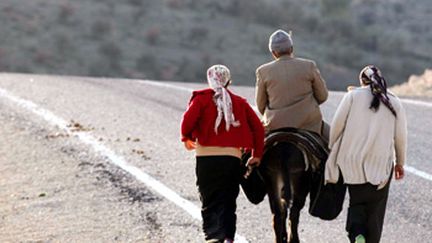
[{"x": 135, "y": 125}]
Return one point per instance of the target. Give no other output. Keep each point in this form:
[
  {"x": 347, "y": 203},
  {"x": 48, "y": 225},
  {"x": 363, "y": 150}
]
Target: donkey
[{"x": 287, "y": 167}]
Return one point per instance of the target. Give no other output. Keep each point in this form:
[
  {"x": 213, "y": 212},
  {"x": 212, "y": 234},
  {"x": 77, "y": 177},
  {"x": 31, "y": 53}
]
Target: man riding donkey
[{"x": 289, "y": 91}]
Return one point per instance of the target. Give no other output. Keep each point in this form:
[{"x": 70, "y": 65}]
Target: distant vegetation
[
  {"x": 417, "y": 86},
  {"x": 179, "y": 39}
]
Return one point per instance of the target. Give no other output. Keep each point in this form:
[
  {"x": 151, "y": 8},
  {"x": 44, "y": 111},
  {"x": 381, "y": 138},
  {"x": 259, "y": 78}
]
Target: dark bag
[
  {"x": 326, "y": 201},
  {"x": 253, "y": 186}
]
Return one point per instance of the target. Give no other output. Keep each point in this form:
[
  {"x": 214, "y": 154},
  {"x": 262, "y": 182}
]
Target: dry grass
[{"x": 416, "y": 86}]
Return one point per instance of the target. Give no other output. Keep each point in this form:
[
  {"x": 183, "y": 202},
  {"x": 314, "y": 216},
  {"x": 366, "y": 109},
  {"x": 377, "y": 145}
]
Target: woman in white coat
[{"x": 368, "y": 138}]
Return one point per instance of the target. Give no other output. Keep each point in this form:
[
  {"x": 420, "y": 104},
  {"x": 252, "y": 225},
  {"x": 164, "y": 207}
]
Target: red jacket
[{"x": 199, "y": 120}]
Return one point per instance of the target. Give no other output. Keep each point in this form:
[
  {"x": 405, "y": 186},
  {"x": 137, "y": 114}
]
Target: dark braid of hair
[
  {"x": 378, "y": 88},
  {"x": 376, "y": 100},
  {"x": 386, "y": 99}
]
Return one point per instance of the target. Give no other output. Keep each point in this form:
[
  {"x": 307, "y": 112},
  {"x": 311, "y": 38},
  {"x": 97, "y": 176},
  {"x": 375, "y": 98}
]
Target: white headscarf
[{"x": 218, "y": 77}]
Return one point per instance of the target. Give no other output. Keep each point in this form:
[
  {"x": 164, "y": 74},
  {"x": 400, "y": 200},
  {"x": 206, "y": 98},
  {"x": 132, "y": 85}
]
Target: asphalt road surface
[{"x": 99, "y": 160}]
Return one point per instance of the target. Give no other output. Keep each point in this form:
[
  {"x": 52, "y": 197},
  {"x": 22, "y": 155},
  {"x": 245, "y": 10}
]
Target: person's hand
[
  {"x": 253, "y": 162},
  {"x": 399, "y": 172},
  {"x": 189, "y": 144},
  {"x": 351, "y": 87}
]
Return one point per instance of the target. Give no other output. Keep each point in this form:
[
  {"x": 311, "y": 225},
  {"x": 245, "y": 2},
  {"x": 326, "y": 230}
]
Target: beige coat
[{"x": 288, "y": 94}]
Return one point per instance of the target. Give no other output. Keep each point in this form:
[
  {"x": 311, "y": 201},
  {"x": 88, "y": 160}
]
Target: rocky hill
[{"x": 179, "y": 39}]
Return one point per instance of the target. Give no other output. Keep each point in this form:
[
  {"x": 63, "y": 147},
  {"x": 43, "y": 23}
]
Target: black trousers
[
  {"x": 218, "y": 179},
  {"x": 366, "y": 211}
]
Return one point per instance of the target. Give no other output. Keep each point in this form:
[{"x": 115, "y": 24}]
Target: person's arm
[
  {"x": 261, "y": 97},
  {"x": 190, "y": 120},
  {"x": 337, "y": 128},
  {"x": 400, "y": 139},
  {"x": 339, "y": 120},
  {"x": 318, "y": 85},
  {"x": 257, "y": 130}
]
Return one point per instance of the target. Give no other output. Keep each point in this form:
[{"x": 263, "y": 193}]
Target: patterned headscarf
[
  {"x": 371, "y": 75},
  {"x": 218, "y": 78}
]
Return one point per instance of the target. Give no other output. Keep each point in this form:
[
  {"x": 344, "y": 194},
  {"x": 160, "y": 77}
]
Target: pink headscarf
[{"x": 218, "y": 77}]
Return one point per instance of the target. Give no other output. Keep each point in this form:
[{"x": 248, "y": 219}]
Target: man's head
[{"x": 280, "y": 43}]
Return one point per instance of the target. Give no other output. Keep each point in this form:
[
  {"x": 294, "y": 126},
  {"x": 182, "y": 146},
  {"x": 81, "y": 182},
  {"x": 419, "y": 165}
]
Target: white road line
[
  {"x": 408, "y": 101},
  {"x": 417, "y": 102},
  {"x": 166, "y": 85},
  {"x": 87, "y": 139},
  {"x": 171, "y": 86},
  {"x": 404, "y": 100},
  {"x": 418, "y": 172}
]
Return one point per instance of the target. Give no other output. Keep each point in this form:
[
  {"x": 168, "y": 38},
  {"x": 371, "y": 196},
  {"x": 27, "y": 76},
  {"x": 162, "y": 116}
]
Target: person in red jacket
[{"x": 218, "y": 124}]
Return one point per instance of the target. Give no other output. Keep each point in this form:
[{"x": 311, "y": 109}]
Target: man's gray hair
[{"x": 280, "y": 41}]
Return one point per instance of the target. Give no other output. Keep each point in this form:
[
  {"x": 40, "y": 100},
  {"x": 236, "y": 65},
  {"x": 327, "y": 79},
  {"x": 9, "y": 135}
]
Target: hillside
[{"x": 179, "y": 39}]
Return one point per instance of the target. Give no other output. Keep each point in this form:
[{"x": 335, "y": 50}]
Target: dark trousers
[
  {"x": 218, "y": 179},
  {"x": 366, "y": 211}
]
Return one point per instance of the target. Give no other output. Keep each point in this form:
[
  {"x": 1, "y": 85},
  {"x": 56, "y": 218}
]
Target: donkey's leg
[
  {"x": 300, "y": 189},
  {"x": 272, "y": 173},
  {"x": 295, "y": 178},
  {"x": 278, "y": 206}
]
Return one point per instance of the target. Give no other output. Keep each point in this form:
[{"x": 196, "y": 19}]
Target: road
[{"x": 99, "y": 160}]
